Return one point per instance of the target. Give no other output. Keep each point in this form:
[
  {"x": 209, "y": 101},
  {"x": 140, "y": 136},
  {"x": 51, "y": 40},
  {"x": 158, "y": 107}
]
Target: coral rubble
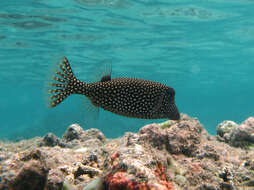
[{"x": 174, "y": 155}]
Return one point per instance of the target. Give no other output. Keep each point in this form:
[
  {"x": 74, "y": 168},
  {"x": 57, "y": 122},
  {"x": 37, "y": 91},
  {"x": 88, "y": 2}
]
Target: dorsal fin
[
  {"x": 103, "y": 71},
  {"x": 106, "y": 78}
]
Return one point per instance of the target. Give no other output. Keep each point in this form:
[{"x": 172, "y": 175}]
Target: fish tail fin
[{"x": 64, "y": 84}]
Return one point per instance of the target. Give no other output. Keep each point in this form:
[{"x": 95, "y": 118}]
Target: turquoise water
[{"x": 204, "y": 49}]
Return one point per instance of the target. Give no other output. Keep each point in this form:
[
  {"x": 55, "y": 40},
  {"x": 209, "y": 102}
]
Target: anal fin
[{"x": 91, "y": 111}]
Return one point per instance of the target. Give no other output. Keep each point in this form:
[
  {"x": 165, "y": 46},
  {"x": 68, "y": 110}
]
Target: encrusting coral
[{"x": 174, "y": 155}]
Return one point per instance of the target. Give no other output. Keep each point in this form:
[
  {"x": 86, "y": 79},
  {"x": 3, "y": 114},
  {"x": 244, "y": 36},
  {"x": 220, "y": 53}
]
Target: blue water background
[{"x": 204, "y": 49}]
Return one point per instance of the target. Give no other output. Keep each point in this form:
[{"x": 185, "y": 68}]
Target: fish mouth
[{"x": 174, "y": 114}]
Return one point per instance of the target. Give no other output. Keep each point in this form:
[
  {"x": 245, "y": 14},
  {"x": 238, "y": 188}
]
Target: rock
[
  {"x": 154, "y": 135},
  {"x": 6, "y": 179},
  {"x": 51, "y": 140},
  {"x": 180, "y": 138},
  {"x": 172, "y": 155},
  {"x": 184, "y": 116},
  {"x": 81, "y": 150},
  {"x": 167, "y": 124},
  {"x": 226, "y": 186},
  {"x": 249, "y": 183},
  {"x": 55, "y": 180},
  {"x": 245, "y": 178},
  {"x": 237, "y": 135},
  {"x": 35, "y": 154},
  {"x": 226, "y": 174},
  {"x": 252, "y": 165},
  {"x": 74, "y": 143},
  {"x": 246, "y": 163},
  {"x": 206, "y": 187},
  {"x": 90, "y": 171},
  {"x": 92, "y": 134},
  {"x": 92, "y": 158},
  {"x": 184, "y": 137},
  {"x": 96, "y": 184},
  {"x": 225, "y": 128},
  {"x": 74, "y": 131},
  {"x": 93, "y": 143},
  {"x": 249, "y": 123},
  {"x": 68, "y": 186},
  {"x": 4, "y": 187},
  {"x": 75, "y": 136},
  {"x": 32, "y": 176},
  {"x": 3, "y": 156},
  {"x": 207, "y": 151},
  {"x": 243, "y": 133},
  {"x": 133, "y": 167},
  {"x": 181, "y": 180}
]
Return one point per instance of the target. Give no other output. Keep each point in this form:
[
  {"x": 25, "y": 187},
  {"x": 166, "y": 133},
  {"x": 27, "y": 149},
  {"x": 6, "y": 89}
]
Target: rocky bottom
[{"x": 178, "y": 155}]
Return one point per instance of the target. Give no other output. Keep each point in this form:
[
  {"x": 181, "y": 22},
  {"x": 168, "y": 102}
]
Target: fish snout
[
  {"x": 176, "y": 116},
  {"x": 174, "y": 113}
]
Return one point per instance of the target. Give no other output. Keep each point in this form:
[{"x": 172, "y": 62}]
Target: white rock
[
  {"x": 81, "y": 150},
  {"x": 96, "y": 184}
]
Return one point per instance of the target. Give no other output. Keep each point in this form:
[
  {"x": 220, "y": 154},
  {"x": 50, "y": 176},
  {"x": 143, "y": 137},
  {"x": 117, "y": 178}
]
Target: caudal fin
[{"x": 63, "y": 83}]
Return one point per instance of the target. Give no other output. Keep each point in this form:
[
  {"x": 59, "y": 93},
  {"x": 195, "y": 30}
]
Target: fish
[{"x": 130, "y": 97}]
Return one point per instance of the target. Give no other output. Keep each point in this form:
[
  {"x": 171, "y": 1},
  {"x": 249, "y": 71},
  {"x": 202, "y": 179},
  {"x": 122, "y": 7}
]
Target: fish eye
[{"x": 171, "y": 92}]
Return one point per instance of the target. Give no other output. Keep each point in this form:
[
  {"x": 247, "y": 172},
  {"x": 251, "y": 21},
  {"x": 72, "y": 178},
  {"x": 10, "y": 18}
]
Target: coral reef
[
  {"x": 174, "y": 155},
  {"x": 237, "y": 135}
]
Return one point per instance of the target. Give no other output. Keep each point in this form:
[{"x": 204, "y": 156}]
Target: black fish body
[{"x": 129, "y": 97}]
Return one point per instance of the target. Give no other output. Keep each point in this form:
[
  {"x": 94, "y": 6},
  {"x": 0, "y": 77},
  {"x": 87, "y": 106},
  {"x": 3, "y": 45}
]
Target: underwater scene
[
  {"x": 202, "y": 49},
  {"x": 127, "y": 95}
]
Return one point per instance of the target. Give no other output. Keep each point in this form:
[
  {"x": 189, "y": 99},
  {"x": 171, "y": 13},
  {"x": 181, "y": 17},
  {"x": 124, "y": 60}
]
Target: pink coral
[
  {"x": 160, "y": 172},
  {"x": 120, "y": 181}
]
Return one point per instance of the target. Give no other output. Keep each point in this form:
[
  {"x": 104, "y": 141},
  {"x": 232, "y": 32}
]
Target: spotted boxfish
[{"x": 131, "y": 97}]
